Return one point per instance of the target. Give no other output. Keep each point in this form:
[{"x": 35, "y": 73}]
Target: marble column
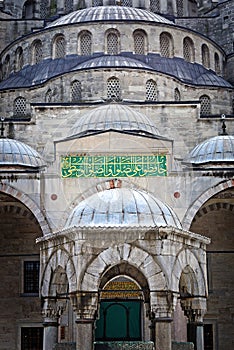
[
  {"x": 163, "y": 333},
  {"x": 84, "y": 334},
  {"x": 194, "y": 309},
  {"x": 51, "y": 313}
]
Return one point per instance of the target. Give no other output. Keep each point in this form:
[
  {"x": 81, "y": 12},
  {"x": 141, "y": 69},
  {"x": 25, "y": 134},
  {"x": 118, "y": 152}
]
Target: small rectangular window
[
  {"x": 31, "y": 277},
  {"x": 32, "y": 338}
]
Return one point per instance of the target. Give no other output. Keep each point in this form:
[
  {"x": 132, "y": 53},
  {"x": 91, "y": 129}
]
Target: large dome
[
  {"x": 115, "y": 117},
  {"x": 122, "y": 207},
  {"x": 109, "y": 13},
  {"x": 217, "y": 149},
  {"x": 17, "y": 155}
]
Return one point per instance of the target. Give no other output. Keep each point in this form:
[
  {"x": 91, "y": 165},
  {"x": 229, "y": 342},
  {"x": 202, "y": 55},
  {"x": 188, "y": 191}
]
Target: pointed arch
[
  {"x": 134, "y": 257},
  {"x": 59, "y": 260},
  {"x": 187, "y": 261},
  {"x": 29, "y": 203},
  {"x": 204, "y": 197}
]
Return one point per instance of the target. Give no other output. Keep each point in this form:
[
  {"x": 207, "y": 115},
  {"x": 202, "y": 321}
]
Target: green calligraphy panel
[{"x": 113, "y": 166}]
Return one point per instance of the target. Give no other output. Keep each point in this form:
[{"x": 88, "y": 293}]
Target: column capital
[
  {"x": 85, "y": 305},
  {"x": 162, "y": 305},
  {"x": 194, "y": 309},
  {"x": 51, "y": 312}
]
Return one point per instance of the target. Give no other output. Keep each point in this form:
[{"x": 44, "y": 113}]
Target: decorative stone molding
[{"x": 194, "y": 309}]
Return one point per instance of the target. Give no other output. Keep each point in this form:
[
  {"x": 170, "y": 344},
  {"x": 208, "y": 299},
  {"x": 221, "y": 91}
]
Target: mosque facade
[{"x": 116, "y": 174}]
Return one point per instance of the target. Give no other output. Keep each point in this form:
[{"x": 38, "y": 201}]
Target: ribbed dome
[
  {"x": 109, "y": 13},
  {"x": 17, "y": 154},
  {"x": 113, "y": 116},
  {"x": 214, "y": 150},
  {"x": 122, "y": 207}
]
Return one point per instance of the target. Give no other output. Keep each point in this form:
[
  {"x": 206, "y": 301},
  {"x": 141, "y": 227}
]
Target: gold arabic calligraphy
[{"x": 113, "y": 166}]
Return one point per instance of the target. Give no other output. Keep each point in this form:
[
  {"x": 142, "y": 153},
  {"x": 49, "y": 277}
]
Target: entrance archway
[{"x": 120, "y": 311}]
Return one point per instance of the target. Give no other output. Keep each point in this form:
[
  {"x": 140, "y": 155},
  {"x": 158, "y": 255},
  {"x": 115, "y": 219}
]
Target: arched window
[
  {"x": 139, "y": 42},
  {"x": 85, "y": 39},
  {"x": 97, "y": 3},
  {"x": 68, "y": 6},
  {"x": 205, "y": 105},
  {"x": 180, "y": 8},
  {"x": 177, "y": 96},
  {"x": 217, "y": 63},
  {"x": 155, "y": 5},
  {"x": 112, "y": 43},
  {"x": 59, "y": 49},
  {"x": 205, "y": 56},
  {"x": 48, "y": 96},
  {"x": 6, "y": 67},
  {"x": 37, "y": 52},
  {"x": 19, "y": 107},
  {"x": 113, "y": 88},
  {"x": 151, "y": 90},
  {"x": 28, "y": 9},
  {"x": 166, "y": 45},
  {"x": 188, "y": 49},
  {"x": 19, "y": 59},
  {"x": 75, "y": 91}
]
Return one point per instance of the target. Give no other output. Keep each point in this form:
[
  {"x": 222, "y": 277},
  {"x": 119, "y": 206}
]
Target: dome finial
[{"x": 223, "y": 125}]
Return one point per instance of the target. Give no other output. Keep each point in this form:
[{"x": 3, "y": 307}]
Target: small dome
[
  {"x": 109, "y": 13},
  {"x": 122, "y": 207},
  {"x": 115, "y": 117},
  {"x": 217, "y": 149},
  {"x": 15, "y": 154}
]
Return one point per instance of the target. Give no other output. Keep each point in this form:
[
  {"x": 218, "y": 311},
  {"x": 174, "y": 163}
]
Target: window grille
[
  {"x": 20, "y": 106},
  {"x": 97, "y": 3},
  {"x": 113, "y": 88},
  {"x": 205, "y": 105},
  {"x": 177, "y": 95},
  {"x": 68, "y": 6},
  {"x": 205, "y": 56},
  {"x": 75, "y": 91},
  {"x": 155, "y": 5},
  {"x": 165, "y": 45},
  {"x": 139, "y": 43},
  {"x": 188, "y": 50},
  {"x": 151, "y": 90},
  {"x": 85, "y": 44},
  {"x": 31, "y": 338},
  {"x": 31, "y": 276},
  {"x": 37, "y": 52},
  {"x": 217, "y": 63},
  {"x": 59, "y": 47},
  {"x": 19, "y": 59},
  {"x": 112, "y": 44},
  {"x": 44, "y": 9},
  {"x": 127, "y": 3},
  {"x": 180, "y": 7},
  {"x": 48, "y": 96}
]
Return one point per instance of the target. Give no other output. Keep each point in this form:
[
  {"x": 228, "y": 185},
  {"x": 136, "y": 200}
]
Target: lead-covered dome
[
  {"x": 109, "y": 13},
  {"x": 218, "y": 149},
  {"x": 113, "y": 117},
  {"x": 122, "y": 207},
  {"x": 16, "y": 155}
]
